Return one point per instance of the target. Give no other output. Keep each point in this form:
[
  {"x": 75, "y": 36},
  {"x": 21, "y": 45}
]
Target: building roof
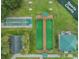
[{"x": 67, "y": 41}]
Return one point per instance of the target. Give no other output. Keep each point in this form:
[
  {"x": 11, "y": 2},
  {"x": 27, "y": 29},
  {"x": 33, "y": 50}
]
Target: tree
[{"x": 8, "y": 6}]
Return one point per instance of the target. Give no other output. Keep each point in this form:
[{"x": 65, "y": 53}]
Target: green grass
[
  {"x": 63, "y": 20},
  {"x": 25, "y": 58},
  {"x": 46, "y": 58},
  {"x": 75, "y": 1},
  {"x": 60, "y": 58}
]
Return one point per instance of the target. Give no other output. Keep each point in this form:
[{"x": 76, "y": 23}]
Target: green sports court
[
  {"x": 49, "y": 34},
  {"x": 39, "y": 36}
]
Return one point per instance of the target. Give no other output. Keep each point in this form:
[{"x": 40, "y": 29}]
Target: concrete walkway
[
  {"x": 35, "y": 55},
  {"x": 4, "y": 26}
]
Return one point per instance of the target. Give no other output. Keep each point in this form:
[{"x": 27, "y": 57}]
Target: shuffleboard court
[
  {"x": 49, "y": 40},
  {"x": 17, "y": 22},
  {"x": 39, "y": 35}
]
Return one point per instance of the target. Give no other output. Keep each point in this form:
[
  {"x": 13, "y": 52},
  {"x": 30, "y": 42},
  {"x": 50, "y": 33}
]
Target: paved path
[
  {"x": 4, "y": 26},
  {"x": 35, "y": 55},
  {"x": 44, "y": 33},
  {"x": 54, "y": 55},
  {"x": 38, "y": 56}
]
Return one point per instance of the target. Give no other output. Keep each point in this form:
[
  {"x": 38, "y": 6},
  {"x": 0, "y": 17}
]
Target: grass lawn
[
  {"x": 75, "y": 1},
  {"x": 25, "y": 58},
  {"x": 38, "y": 58},
  {"x": 59, "y": 58},
  {"x": 63, "y": 20}
]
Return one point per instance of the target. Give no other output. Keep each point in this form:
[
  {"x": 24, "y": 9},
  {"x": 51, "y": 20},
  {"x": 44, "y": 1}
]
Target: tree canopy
[{"x": 8, "y": 6}]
